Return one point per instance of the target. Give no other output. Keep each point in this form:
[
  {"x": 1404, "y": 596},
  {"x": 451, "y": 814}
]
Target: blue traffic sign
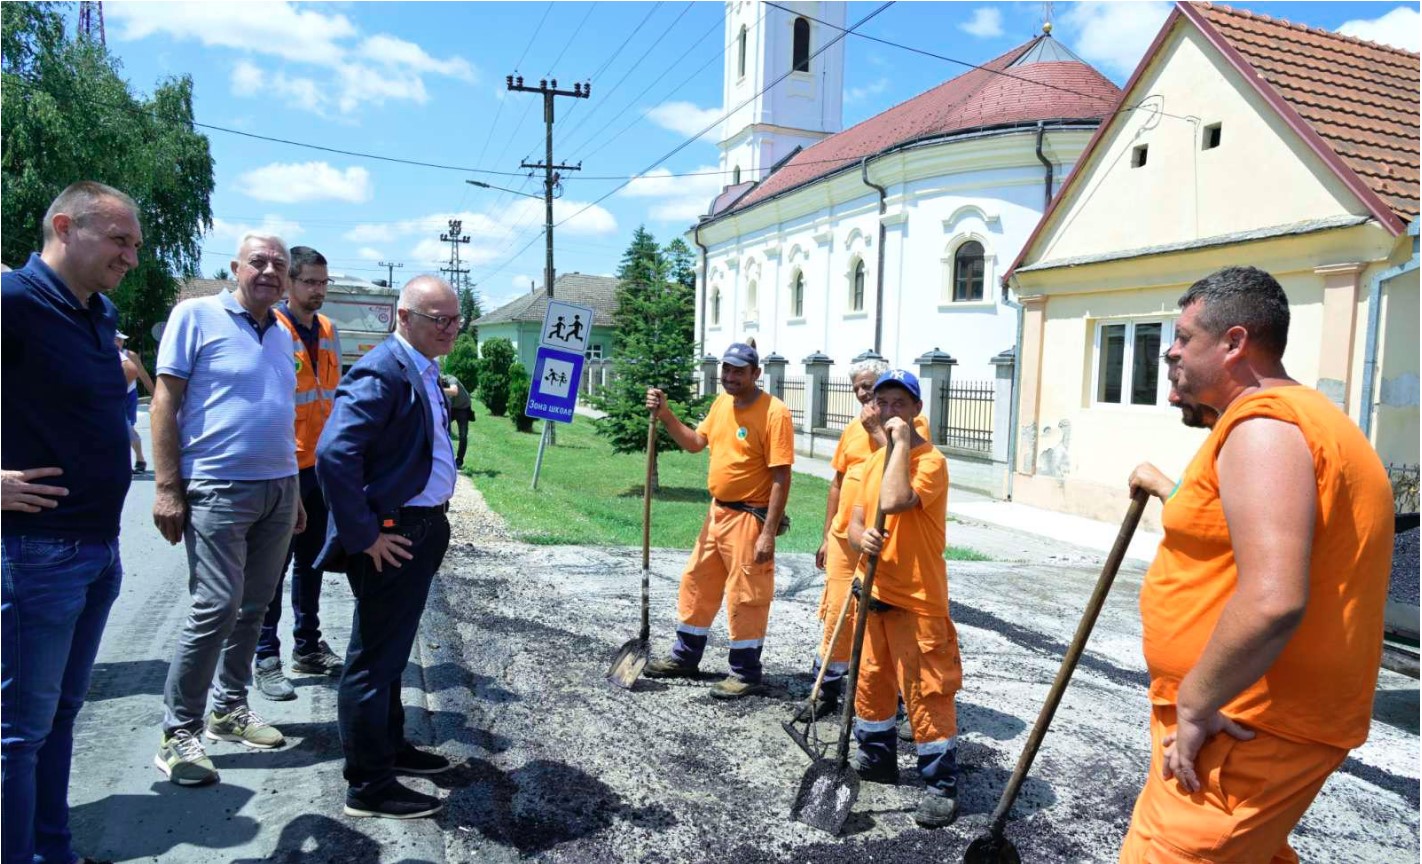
[{"x": 554, "y": 389}]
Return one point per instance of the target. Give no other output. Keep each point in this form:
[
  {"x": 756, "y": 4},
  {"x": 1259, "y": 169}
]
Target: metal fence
[
  {"x": 792, "y": 393},
  {"x": 966, "y": 424},
  {"x": 837, "y": 395},
  {"x": 1404, "y": 486}
]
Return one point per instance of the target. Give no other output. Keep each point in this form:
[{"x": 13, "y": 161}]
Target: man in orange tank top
[{"x": 1262, "y": 614}]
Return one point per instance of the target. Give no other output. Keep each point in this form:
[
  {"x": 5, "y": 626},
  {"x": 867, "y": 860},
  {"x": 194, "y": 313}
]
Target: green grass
[{"x": 588, "y": 495}]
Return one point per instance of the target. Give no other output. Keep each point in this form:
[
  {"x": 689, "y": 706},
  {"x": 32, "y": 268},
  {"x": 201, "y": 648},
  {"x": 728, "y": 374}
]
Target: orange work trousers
[
  {"x": 916, "y": 655},
  {"x": 722, "y": 565},
  {"x": 1252, "y": 794},
  {"x": 840, "y": 561}
]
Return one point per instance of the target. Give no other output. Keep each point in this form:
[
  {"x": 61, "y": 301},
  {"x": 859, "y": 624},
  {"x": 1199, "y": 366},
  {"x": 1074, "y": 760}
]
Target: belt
[
  {"x": 413, "y": 515},
  {"x": 874, "y": 603},
  {"x": 742, "y": 506}
]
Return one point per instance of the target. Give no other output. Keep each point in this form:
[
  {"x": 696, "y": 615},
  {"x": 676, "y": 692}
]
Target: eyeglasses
[
  {"x": 261, "y": 262},
  {"x": 441, "y": 322},
  {"x": 314, "y": 283}
]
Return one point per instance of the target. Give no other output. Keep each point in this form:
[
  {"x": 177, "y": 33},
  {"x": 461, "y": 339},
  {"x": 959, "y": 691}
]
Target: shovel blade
[
  {"x": 827, "y": 794},
  {"x": 991, "y": 848},
  {"x": 627, "y": 666}
]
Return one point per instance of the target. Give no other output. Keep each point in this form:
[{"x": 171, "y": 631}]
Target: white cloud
[
  {"x": 521, "y": 282},
  {"x": 986, "y": 23},
  {"x": 225, "y": 235},
  {"x": 369, "y": 254},
  {"x": 684, "y": 118},
  {"x": 1113, "y": 36},
  {"x": 377, "y": 69},
  {"x": 681, "y": 198},
  {"x": 370, "y": 234},
  {"x": 295, "y": 183},
  {"x": 855, "y": 94},
  {"x": 1398, "y": 28}
]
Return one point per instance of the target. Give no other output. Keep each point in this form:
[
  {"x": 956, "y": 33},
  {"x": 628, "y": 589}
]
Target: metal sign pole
[{"x": 542, "y": 443}]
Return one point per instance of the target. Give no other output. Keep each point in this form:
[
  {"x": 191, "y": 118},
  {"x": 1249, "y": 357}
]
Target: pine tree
[{"x": 654, "y": 346}]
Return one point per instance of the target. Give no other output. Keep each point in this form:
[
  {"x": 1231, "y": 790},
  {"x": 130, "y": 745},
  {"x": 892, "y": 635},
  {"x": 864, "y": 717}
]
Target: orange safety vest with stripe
[{"x": 315, "y": 386}]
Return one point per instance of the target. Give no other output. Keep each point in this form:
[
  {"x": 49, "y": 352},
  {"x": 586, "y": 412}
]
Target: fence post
[
  {"x": 935, "y": 375},
  {"x": 774, "y": 366},
  {"x": 710, "y": 367},
  {"x": 817, "y": 368},
  {"x": 1002, "y": 430}
]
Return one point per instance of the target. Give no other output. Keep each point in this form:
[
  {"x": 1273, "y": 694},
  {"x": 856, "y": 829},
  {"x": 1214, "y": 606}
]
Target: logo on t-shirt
[
  {"x": 296, "y": 358},
  {"x": 741, "y": 433}
]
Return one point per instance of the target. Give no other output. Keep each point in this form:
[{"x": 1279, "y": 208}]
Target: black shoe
[
  {"x": 412, "y": 760},
  {"x": 670, "y": 667},
  {"x": 393, "y": 802},
  {"x": 139, "y": 467},
  {"x": 822, "y": 707},
  {"x": 886, "y": 772}
]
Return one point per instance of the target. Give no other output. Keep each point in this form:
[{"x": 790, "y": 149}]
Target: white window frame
[
  {"x": 593, "y": 352},
  {"x": 1162, "y": 384},
  {"x": 713, "y": 307}
]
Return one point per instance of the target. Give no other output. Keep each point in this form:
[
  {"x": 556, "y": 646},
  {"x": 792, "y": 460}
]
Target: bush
[
  {"x": 519, "y": 381},
  {"x": 463, "y": 361},
  {"x": 493, "y": 375}
]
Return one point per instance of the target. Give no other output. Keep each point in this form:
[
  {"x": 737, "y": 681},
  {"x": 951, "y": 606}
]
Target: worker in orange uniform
[
  {"x": 1262, "y": 614},
  {"x": 910, "y": 644},
  {"x": 316, "y": 352},
  {"x": 860, "y": 439},
  {"x": 752, "y": 443}
]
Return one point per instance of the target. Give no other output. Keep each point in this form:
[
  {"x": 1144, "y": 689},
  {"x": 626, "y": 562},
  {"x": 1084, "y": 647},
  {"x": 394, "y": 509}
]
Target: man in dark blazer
[{"x": 386, "y": 465}]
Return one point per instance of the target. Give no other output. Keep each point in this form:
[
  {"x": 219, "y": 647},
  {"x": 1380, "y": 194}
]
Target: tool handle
[
  {"x": 1073, "y": 654},
  {"x": 846, "y": 716},
  {"x": 647, "y": 527},
  {"x": 834, "y": 637}
]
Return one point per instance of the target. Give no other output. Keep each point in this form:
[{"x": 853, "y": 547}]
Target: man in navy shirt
[{"x": 65, "y": 473}]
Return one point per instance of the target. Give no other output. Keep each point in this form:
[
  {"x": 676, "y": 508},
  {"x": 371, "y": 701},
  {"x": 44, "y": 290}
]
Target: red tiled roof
[
  {"x": 980, "y": 97},
  {"x": 203, "y": 288},
  {"x": 1360, "y": 97}
]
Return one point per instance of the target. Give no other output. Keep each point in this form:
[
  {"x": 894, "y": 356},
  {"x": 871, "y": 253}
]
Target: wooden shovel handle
[
  {"x": 1073, "y": 654},
  {"x": 647, "y": 526}
]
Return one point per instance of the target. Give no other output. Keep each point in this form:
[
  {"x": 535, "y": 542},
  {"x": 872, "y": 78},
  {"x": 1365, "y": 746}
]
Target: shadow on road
[
  {"x": 993, "y": 723},
  {"x": 542, "y": 804},
  {"x": 452, "y": 676},
  {"x": 204, "y": 816},
  {"x": 314, "y": 838},
  {"x": 116, "y": 680},
  {"x": 1397, "y": 708}
]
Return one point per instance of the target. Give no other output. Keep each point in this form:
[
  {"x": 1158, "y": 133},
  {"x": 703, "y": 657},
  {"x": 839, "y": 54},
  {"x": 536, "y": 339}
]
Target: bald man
[{"x": 386, "y": 465}]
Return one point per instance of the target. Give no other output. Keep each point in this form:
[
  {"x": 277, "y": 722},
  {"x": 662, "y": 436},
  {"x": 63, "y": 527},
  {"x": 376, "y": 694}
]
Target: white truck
[{"x": 363, "y": 311}]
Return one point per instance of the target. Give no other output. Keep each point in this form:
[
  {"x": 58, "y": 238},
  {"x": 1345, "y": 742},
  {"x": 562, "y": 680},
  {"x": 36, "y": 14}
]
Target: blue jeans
[
  {"x": 305, "y": 579},
  {"x": 54, "y": 604}
]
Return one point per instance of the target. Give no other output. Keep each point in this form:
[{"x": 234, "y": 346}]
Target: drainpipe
[
  {"x": 879, "y": 282},
  {"x": 1370, "y": 349},
  {"x": 1012, "y": 415},
  {"x": 705, "y": 289},
  {"x": 1047, "y": 192}
]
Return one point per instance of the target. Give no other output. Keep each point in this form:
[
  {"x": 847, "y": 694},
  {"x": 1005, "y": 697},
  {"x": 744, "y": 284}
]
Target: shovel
[
  {"x": 994, "y": 847},
  {"x": 803, "y": 738},
  {"x": 631, "y": 658},
  {"x": 830, "y": 787}
]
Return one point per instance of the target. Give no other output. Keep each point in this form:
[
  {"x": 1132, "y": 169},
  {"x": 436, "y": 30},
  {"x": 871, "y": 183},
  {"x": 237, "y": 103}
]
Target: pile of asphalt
[{"x": 1405, "y": 567}]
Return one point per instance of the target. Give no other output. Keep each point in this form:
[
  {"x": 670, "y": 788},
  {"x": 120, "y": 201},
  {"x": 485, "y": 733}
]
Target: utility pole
[
  {"x": 579, "y": 91},
  {"x": 390, "y": 266},
  {"x": 550, "y": 179},
  {"x": 454, "y": 238}
]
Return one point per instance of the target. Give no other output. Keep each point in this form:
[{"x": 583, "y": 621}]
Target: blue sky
[{"x": 425, "y": 82}]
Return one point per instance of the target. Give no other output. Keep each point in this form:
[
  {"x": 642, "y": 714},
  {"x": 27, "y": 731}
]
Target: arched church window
[
  {"x": 741, "y": 53},
  {"x": 752, "y": 303},
  {"x": 968, "y": 272},
  {"x": 715, "y": 307},
  {"x": 797, "y": 295},
  {"x": 800, "y": 52},
  {"x": 856, "y": 291},
  {"x": 736, "y": 175}
]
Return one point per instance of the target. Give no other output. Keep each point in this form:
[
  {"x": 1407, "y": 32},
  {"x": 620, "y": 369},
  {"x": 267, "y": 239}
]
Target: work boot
[
  {"x": 183, "y": 760},
  {"x": 877, "y": 771},
  {"x": 322, "y": 661},
  {"x": 670, "y": 667},
  {"x": 270, "y": 681},
  {"x": 733, "y": 687},
  {"x": 905, "y": 726},
  {"x": 937, "y": 809},
  {"x": 823, "y": 706}
]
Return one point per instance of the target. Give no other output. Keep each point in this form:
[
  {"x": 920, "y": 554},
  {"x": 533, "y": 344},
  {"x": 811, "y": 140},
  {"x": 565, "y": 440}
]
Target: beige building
[{"x": 1240, "y": 139}]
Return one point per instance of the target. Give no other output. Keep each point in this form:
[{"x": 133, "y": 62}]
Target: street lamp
[{"x": 502, "y": 189}]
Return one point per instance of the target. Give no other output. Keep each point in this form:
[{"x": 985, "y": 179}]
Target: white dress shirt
[{"x": 440, "y": 486}]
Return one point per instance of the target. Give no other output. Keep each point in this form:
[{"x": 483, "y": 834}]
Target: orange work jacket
[{"x": 315, "y": 386}]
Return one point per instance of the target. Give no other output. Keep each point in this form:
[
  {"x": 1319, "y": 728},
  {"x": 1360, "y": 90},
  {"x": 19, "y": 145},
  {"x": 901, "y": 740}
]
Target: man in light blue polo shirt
[{"x": 224, "y": 446}]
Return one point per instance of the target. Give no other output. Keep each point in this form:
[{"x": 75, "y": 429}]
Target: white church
[{"x": 891, "y": 234}]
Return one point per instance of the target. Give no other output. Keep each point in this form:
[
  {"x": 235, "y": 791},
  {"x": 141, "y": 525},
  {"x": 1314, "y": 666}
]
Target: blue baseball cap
[
  {"x": 741, "y": 354},
  {"x": 900, "y": 378}
]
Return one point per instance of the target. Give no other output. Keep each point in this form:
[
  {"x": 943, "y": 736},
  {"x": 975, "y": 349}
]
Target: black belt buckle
[{"x": 406, "y": 516}]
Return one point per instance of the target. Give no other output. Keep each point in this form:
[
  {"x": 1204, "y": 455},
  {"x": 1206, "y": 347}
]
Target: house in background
[
  {"x": 1245, "y": 140},
  {"x": 891, "y": 234},
  {"x": 520, "y": 319}
]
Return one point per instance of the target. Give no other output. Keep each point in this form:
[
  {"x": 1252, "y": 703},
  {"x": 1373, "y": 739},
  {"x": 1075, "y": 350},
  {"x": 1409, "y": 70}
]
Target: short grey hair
[
  {"x": 260, "y": 235},
  {"x": 877, "y": 365},
  {"x": 79, "y": 200}
]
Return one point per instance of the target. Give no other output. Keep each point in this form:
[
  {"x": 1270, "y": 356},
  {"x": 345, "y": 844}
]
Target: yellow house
[{"x": 1240, "y": 139}]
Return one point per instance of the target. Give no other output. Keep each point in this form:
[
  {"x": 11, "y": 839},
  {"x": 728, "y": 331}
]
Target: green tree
[
  {"x": 519, "y": 381},
  {"x": 463, "y": 361},
  {"x": 494, "y": 375},
  {"x": 654, "y": 346},
  {"x": 469, "y": 306},
  {"x": 69, "y": 116},
  {"x": 222, "y": 274}
]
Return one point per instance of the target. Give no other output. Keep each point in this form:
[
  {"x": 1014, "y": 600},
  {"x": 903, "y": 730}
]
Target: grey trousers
[{"x": 237, "y": 536}]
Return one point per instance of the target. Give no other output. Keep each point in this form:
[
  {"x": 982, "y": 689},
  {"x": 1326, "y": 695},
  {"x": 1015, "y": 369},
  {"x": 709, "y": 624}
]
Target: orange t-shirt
[
  {"x": 856, "y": 445},
  {"x": 1321, "y": 686},
  {"x": 912, "y": 573},
  {"x": 745, "y": 443}
]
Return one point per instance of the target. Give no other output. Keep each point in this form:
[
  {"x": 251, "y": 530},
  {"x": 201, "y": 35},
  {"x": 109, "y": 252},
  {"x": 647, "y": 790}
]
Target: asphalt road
[{"x": 556, "y": 765}]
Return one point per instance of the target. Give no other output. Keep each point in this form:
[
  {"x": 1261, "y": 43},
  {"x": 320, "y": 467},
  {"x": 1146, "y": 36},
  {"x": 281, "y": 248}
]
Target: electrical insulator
[
  {"x": 555, "y": 83},
  {"x": 509, "y": 79}
]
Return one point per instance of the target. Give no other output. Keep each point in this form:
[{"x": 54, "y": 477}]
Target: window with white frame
[
  {"x": 968, "y": 272},
  {"x": 800, "y": 46},
  {"x": 797, "y": 295},
  {"x": 752, "y": 303},
  {"x": 856, "y": 287},
  {"x": 715, "y": 307},
  {"x": 741, "y": 51},
  {"x": 593, "y": 352},
  {"x": 1129, "y": 369}
]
